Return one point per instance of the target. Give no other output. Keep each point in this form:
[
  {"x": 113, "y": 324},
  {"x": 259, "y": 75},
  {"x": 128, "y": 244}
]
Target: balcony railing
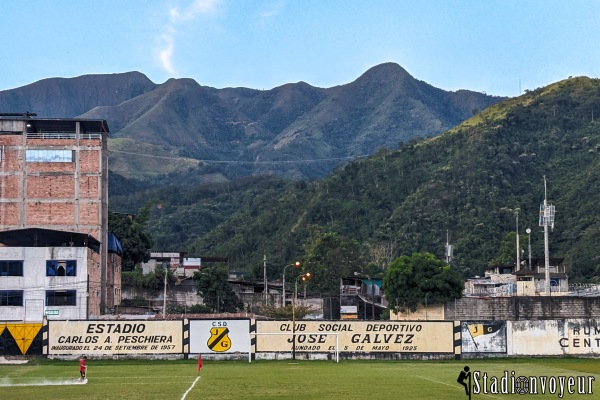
[
  {"x": 540, "y": 288},
  {"x": 584, "y": 290},
  {"x": 63, "y": 135},
  {"x": 497, "y": 291}
]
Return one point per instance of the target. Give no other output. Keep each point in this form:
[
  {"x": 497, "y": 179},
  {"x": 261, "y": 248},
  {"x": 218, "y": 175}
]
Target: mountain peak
[{"x": 385, "y": 72}]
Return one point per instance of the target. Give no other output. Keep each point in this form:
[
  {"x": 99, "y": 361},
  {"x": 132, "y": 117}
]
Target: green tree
[
  {"x": 418, "y": 279},
  {"x": 212, "y": 285},
  {"x": 329, "y": 257},
  {"x": 136, "y": 242},
  {"x": 153, "y": 280},
  {"x": 508, "y": 249}
]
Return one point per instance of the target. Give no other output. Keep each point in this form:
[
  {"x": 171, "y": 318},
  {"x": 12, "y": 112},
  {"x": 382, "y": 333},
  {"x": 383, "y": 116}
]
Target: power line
[{"x": 315, "y": 160}]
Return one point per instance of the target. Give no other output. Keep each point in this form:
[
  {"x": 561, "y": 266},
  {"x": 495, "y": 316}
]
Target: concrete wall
[
  {"x": 431, "y": 312},
  {"x": 539, "y": 337},
  {"x": 230, "y": 338},
  {"x": 554, "y": 337},
  {"x": 180, "y": 295},
  {"x": 113, "y": 281},
  {"x": 522, "y": 308}
]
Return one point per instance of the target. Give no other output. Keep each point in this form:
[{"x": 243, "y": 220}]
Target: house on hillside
[
  {"x": 182, "y": 294},
  {"x": 361, "y": 297},
  {"x": 180, "y": 265},
  {"x": 506, "y": 280},
  {"x": 532, "y": 281}
]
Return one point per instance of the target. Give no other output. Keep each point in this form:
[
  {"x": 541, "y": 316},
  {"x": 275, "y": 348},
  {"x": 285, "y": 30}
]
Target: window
[
  {"x": 49, "y": 155},
  {"x": 11, "y": 268},
  {"x": 60, "y": 297},
  {"x": 11, "y": 298},
  {"x": 61, "y": 267}
]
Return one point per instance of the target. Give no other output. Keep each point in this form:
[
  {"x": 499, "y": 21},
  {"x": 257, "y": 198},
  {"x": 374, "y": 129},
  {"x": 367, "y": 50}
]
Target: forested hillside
[{"x": 465, "y": 183}]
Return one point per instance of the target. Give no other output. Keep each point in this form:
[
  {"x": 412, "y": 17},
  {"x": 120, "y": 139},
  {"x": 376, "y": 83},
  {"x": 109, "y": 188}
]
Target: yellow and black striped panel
[
  {"x": 252, "y": 339},
  {"x": 186, "y": 336},
  {"x": 457, "y": 340},
  {"x": 20, "y": 338}
]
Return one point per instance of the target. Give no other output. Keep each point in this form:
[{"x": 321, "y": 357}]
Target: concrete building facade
[
  {"x": 58, "y": 282},
  {"x": 54, "y": 177}
]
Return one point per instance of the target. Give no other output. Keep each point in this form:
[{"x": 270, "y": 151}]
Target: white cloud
[
  {"x": 176, "y": 17},
  {"x": 272, "y": 10},
  {"x": 166, "y": 52}
]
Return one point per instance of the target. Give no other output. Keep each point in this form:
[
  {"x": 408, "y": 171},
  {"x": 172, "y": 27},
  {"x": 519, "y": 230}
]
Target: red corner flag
[{"x": 199, "y": 362}]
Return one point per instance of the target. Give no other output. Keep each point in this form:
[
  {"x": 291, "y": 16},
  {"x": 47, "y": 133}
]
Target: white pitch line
[
  {"x": 454, "y": 386},
  {"x": 41, "y": 383},
  {"x": 190, "y": 389}
]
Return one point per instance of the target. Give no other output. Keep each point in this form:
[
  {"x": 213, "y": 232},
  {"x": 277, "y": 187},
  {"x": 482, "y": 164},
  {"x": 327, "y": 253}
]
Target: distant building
[
  {"x": 532, "y": 282},
  {"x": 361, "y": 297},
  {"x": 504, "y": 281},
  {"x": 173, "y": 260},
  {"x": 252, "y": 294},
  {"x": 184, "y": 292},
  {"x": 180, "y": 265}
]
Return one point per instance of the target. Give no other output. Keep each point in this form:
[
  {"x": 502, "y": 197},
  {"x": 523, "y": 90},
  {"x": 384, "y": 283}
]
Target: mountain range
[{"x": 182, "y": 132}]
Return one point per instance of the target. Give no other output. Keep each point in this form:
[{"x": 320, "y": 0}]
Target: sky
[{"x": 500, "y": 47}]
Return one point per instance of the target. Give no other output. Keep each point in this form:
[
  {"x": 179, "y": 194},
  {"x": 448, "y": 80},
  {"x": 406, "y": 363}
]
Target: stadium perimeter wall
[
  {"x": 522, "y": 308},
  {"x": 252, "y": 339}
]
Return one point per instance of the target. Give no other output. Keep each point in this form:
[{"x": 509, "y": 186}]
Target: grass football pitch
[{"x": 223, "y": 380}]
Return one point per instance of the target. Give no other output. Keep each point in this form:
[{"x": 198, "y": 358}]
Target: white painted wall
[
  {"x": 554, "y": 337},
  {"x": 34, "y": 283}
]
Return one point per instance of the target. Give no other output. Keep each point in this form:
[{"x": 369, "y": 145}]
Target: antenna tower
[{"x": 547, "y": 212}]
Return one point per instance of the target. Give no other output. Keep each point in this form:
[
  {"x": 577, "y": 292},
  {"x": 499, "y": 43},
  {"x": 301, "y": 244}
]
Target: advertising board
[
  {"x": 356, "y": 336},
  {"x": 114, "y": 337}
]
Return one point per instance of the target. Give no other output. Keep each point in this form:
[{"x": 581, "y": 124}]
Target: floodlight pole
[
  {"x": 304, "y": 276},
  {"x": 283, "y": 295},
  {"x": 296, "y": 264},
  {"x": 294, "y": 318},
  {"x": 529, "y": 244}
]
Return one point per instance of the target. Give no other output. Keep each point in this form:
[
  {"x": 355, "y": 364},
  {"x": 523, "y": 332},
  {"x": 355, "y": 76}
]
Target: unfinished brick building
[{"x": 54, "y": 177}]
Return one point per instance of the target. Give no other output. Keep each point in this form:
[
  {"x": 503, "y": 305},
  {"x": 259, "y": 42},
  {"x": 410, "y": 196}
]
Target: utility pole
[
  {"x": 166, "y": 268},
  {"x": 266, "y": 290},
  {"x": 518, "y": 265}
]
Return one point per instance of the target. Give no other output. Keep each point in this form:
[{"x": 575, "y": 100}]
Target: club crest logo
[
  {"x": 484, "y": 329},
  {"x": 219, "y": 340}
]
